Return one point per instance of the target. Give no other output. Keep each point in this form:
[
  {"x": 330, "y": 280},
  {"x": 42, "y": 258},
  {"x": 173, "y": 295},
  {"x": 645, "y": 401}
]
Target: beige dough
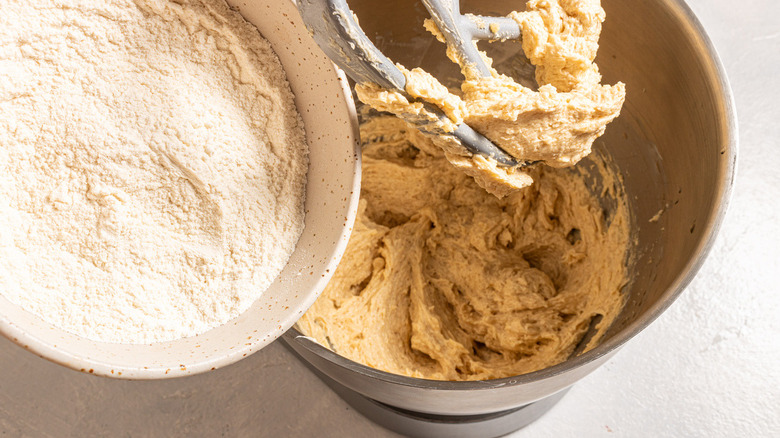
[
  {"x": 556, "y": 124},
  {"x": 442, "y": 280}
]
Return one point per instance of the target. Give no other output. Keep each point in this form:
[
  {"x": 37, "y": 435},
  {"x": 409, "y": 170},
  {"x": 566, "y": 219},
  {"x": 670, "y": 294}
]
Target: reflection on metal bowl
[{"x": 675, "y": 145}]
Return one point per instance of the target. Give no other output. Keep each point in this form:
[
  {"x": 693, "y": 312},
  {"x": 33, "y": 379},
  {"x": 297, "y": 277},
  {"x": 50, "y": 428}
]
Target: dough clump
[
  {"x": 556, "y": 124},
  {"x": 442, "y": 280}
]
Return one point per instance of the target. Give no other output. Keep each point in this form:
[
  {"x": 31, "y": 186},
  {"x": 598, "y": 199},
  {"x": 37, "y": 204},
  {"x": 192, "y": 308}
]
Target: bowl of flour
[{"x": 178, "y": 180}]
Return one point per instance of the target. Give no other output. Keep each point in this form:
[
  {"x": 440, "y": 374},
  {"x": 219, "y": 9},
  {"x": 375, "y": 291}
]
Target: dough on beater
[
  {"x": 555, "y": 125},
  {"x": 441, "y": 280}
]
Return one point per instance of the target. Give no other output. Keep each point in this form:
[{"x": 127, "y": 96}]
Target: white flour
[{"x": 152, "y": 165}]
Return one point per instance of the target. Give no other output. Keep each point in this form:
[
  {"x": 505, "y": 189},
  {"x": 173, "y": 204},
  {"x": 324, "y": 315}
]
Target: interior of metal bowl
[
  {"x": 675, "y": 144},
  {"x": 324, "y": 102}
]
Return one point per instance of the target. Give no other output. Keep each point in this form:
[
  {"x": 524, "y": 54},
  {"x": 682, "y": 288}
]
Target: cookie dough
[
  {"x": 442, "y": 280},
  {"x": 555, "y": 124}
]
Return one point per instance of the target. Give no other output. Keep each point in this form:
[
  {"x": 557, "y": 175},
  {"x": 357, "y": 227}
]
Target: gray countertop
[{"x": 710, "y": 366}]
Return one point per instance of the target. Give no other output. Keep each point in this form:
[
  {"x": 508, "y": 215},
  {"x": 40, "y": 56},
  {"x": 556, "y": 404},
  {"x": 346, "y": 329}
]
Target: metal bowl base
[{"x": 418, "y": 424}]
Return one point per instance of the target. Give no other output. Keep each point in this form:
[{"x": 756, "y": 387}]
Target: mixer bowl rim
[{"x": 686, "y": 276}]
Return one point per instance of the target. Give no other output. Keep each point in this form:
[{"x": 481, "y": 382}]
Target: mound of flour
[{"x": 152, "y": 165}]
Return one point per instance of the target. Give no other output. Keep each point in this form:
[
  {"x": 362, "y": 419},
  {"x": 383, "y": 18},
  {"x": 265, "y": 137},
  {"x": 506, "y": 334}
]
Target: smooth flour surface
[{"x": 152, "y": 165}]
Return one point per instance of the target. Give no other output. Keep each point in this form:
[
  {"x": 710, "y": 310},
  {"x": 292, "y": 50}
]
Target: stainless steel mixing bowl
[{"x": 675, "y": 145}]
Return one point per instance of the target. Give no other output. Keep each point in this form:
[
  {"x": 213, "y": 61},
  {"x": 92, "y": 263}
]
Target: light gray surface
[{"x": 708, "y": 367}]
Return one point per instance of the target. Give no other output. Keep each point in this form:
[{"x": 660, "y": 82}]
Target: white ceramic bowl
[{"x": 323, "y": 98}]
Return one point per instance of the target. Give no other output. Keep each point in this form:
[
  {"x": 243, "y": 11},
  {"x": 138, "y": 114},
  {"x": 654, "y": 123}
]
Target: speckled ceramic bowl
[{"x": 324, "y": 100}]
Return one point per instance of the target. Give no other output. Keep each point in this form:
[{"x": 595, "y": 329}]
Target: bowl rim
[{"x": 610, "y": 346}]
